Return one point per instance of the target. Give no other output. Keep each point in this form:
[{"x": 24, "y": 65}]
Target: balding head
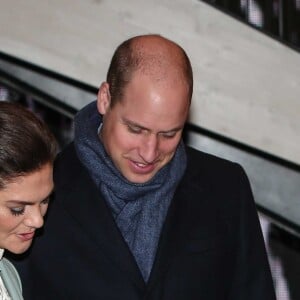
[{"x": 153, "y": 56}]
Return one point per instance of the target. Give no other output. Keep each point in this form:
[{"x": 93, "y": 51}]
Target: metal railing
[{"x": 277, "y": 18}]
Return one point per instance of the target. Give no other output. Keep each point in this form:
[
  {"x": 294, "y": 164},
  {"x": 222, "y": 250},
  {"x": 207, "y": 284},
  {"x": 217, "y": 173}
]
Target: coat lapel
[
  {"x": 86, "y": 205},
  {"x": 184, "y": 218},
  {"x": 171, "y": 235}
]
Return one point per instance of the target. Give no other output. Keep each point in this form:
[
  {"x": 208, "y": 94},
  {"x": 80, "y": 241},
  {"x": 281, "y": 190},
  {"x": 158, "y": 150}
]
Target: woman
[{"x": 27, "y": 151}]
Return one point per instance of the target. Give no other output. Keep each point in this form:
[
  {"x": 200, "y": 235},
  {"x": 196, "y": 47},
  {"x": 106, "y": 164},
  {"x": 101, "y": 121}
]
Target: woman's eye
[
  {"x": 17, "y": 211},
  {"x": 46, "y": 201}
]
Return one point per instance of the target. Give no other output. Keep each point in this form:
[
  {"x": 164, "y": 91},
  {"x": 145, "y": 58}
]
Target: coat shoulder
[
  {"x": 11, "y": 279},
  {"x": 209, "y": 167},
  {"x": 67, "y": 167}
]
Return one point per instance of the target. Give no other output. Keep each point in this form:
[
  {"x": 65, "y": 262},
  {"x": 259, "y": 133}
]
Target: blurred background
[{"x": 278, "y": 18}]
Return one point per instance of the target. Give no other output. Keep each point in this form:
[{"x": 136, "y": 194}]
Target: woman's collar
[{"x": 1, "y": 253}]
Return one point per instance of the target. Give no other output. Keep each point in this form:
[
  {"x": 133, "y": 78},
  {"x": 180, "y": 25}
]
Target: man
[{"x": 136, "y": 214}]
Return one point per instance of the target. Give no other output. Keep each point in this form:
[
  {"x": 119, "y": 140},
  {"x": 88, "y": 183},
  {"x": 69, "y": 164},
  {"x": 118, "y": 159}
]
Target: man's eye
[
  {"x": 169, "y": 135},
  {"x": 17, "y": 211},
  {"x": 134, "y": 129}
]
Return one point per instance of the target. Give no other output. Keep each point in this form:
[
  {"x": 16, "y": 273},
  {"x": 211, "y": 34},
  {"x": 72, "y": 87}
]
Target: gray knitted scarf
[{"x": 138, "y": 208}]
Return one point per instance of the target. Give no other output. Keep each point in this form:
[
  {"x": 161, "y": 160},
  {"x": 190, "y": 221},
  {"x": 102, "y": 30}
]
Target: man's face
[{"x": 141, "y": 132}]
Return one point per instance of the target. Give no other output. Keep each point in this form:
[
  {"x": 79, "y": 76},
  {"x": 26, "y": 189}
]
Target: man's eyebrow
[
  {"x": 132, "y": 123},
  {"x": 172, "y": 130}
]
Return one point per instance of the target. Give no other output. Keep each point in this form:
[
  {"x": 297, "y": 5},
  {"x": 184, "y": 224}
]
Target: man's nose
[
  {"x": 34, "y": 218},
  {"x": 149, "y": 148}
]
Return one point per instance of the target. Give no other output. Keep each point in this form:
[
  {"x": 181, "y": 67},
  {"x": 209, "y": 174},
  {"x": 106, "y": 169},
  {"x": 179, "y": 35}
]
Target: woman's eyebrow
[{"x": 22, "y": 202}]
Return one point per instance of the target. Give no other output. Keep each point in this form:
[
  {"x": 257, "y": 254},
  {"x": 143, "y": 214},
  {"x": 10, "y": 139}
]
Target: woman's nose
[{"x": 34, "y": 218}]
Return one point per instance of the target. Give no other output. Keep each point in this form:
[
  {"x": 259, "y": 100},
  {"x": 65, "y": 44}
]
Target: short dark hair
[
  {"x": 129, "y": 58},
  {"x": 26, "y": 143}
]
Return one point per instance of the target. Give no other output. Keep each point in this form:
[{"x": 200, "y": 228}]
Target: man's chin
[{"x": 138, "y": 178}]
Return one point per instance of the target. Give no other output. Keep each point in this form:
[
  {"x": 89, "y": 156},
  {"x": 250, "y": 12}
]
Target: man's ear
[{"x": 103, "y": 98}]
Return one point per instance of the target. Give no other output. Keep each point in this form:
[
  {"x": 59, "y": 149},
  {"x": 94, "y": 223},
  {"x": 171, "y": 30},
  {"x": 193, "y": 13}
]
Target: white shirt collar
[{"x": 1, "y": 253}]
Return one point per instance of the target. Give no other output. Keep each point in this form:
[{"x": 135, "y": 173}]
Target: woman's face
[{"x": 23, "y": 204}]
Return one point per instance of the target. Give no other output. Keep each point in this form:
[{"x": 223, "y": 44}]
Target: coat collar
[
  {"x": 86, "y": 205},
  {"x": 96, "y": 220}
]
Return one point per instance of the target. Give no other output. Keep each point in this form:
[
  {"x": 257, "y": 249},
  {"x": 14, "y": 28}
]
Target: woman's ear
[{"x": 103, "y": 98}]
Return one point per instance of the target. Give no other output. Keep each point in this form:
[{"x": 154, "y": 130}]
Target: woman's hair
[{"x": 26, "y": 143}]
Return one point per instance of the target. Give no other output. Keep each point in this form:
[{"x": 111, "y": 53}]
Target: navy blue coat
[{"x": 211, "y": 246}]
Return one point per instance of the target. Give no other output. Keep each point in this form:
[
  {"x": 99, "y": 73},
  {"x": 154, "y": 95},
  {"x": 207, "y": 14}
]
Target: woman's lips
[{"x": 26, "y": 236}]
